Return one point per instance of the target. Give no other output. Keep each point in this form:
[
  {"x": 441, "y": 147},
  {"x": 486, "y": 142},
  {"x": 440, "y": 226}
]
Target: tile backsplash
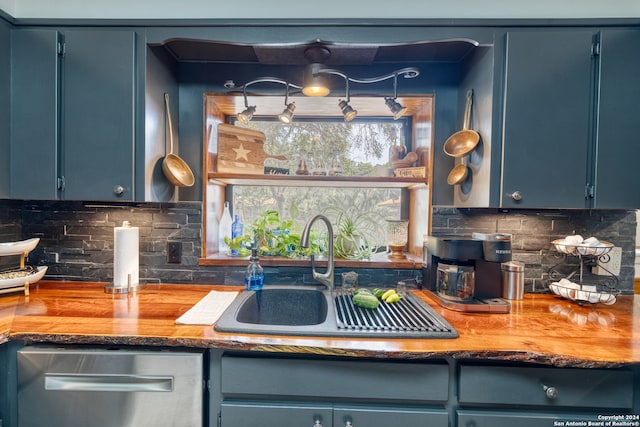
[
  {"x": 77, "y": 239},
  {"x": 533, "y": 231}
]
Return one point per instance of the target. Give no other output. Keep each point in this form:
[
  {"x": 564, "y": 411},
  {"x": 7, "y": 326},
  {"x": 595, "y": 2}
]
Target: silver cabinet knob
[
  {"x": 317, "y": 424},
  {"x": 516, "y": 195},
  {"x": 118, "y": 190},
  {"x": 348, "y": 424},
  {"x": 551, "y": 392}
]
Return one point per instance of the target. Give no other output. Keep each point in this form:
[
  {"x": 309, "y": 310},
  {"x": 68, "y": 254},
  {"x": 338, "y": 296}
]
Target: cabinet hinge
[
  {"x": 589, "y": 191},
  {"x": 61, "y": 48}
]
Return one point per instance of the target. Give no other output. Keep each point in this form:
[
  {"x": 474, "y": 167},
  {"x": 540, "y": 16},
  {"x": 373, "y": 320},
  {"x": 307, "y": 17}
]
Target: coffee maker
[{"x": 464, "y": 273}]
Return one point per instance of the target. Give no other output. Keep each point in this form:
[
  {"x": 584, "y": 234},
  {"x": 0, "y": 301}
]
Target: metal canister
[{"x": 512, "y": 280}]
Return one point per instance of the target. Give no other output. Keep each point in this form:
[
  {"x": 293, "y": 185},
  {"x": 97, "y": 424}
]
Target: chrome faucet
[{"x": 325, "y": 278}]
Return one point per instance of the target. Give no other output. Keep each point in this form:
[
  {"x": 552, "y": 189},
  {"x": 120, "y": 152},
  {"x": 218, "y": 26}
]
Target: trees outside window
[{"x": 328, "y": 147}]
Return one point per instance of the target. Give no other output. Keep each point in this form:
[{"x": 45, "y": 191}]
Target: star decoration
[{"x": 241, "y": 153}]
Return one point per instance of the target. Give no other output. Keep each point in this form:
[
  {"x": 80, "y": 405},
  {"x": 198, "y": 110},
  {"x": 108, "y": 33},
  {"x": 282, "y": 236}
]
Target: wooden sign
[
  {"x": 241, "y": 150},
  {"x": 414, "y": 172}
]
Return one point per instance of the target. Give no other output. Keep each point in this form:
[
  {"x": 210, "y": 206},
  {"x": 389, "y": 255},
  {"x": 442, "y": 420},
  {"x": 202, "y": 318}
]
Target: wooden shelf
[
  {"x": 412, "y": 262},
  {"x": 317, "y": 181}
]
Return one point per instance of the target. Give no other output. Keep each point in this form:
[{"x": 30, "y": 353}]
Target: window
[
  {"x": 328, "y": 147},
  {"x": 351, "y": 162}
]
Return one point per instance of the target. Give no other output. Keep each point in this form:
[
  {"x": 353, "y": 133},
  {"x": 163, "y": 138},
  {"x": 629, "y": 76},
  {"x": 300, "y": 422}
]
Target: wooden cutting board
[{"x": 241, "y": 150}]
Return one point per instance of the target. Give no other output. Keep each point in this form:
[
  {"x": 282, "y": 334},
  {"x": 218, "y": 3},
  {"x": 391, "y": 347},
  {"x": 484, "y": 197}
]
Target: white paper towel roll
[{"x": 125, "y": 255}]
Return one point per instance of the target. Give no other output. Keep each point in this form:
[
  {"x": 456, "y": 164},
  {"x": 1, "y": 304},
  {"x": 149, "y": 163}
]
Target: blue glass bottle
[
  {"x": 254, "y": 276},
  {"x": 236, "y": 231}
]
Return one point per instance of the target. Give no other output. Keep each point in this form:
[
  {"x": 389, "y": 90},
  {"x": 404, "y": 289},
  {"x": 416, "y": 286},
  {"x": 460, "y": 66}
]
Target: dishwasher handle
[{"x": 102, "y": 382}]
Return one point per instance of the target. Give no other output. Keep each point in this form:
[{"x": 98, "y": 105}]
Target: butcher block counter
[{"x": 541, "y": 329}]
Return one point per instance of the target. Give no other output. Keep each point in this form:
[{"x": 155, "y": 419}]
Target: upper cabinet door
[
  {"x": 98, "y": 119},
  {"x": 34, "y": 111},
  {"x": 547, "y": 117},
  {"x": 618, "y": 137}
]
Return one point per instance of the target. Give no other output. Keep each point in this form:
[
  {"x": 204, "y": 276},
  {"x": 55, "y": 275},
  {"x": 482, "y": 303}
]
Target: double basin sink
[{"x": 316, "y": 311}]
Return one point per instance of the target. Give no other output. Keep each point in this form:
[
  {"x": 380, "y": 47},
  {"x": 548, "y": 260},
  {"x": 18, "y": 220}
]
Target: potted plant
[
  {"x": 356, "y": 231},
  {"x": 241, "y": 244},
  {"x": 275, "y": 237}
]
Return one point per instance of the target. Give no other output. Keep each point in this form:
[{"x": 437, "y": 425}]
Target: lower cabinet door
[
  {"x": 480, "y": 418},
  {"x": 274, "y": 414},
  {"x": 386, "y": 416}
]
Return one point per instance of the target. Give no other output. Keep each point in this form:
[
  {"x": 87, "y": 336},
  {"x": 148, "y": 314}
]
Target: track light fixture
[
  {"x": 315, "y": 86},
  {"x": 286, "y": 116},
  {"x": 395, "y": 107},
  {"x": 246, "y": 116},
  {"x": 347, "y": 111}
]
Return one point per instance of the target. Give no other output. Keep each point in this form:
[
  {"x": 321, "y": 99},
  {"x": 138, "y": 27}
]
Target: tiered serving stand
[
  {"x": 580, "y": 285},
  {"x": 19, "y": 278}
]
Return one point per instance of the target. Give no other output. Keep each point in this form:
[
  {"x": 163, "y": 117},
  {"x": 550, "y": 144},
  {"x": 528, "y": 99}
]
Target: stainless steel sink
[{"x": 315, "y": 311}]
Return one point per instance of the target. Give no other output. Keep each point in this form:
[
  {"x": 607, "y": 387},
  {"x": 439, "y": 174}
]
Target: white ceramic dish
[
  {"x": 18, "y": 248},
  {"x": 19, "y": 281}
]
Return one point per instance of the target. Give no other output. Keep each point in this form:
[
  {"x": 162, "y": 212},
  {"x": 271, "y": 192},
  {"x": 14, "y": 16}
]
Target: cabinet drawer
[
  {"x": 388, "y": 416},
  {"x": 312, "y": 378},
  {"x": 521, "y": 419},
  {"x": 589, "y": 388},
  {"x": 254, "y": 414}
]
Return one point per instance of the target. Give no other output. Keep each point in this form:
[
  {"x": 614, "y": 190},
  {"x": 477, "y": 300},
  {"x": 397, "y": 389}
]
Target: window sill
[{"x": 411, "y": 263}]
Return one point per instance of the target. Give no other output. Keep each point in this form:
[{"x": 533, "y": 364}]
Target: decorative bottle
[
  {"x": 236, "y": 231},
  {"x": 224, "y": 229},
  {"x": 254, "y": 276}
]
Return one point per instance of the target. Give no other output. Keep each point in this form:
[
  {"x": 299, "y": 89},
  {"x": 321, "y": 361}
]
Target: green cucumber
[
  {"x": 378, "y": 292},
  {"x": 365, "y": 300}
]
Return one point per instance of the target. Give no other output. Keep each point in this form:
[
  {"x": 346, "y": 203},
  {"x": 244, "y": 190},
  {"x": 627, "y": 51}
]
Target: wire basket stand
[{"x": 575, "y": 282}]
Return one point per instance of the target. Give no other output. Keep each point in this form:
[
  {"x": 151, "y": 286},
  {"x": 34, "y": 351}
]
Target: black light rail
[{"x": 409, "y": 317}]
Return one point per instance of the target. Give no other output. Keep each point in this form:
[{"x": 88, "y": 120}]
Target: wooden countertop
[{"x": 540, "y": 329}]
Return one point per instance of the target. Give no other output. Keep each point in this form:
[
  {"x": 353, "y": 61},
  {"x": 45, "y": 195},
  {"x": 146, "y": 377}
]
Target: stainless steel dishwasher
[{"x": 109, "y": 388}]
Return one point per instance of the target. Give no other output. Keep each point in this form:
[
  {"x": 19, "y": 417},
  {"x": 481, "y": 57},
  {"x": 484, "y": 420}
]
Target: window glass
[{"x": 328, "y": 147}]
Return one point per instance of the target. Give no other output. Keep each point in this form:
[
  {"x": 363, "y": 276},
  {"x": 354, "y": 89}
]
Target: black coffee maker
[{"x": 464, "y": 273}]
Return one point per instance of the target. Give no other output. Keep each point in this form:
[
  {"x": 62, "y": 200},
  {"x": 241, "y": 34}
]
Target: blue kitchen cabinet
[
  {"x": 568, "y": 131},
  {"x": 8, "y": 395},
  {"x": 547, "y": 116},
  {"x": 4, "y": 390},
  {"x": 73, "y": 122},
  {"x": 531, "y": 396},
  {"x": 5, "y": 74},
  {"x": 293, "y": 391},
  {"x": 34, "y": 119},
  {"x": 618, "y": 139}
]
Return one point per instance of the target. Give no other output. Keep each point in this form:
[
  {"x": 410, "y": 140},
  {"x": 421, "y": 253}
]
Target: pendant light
[{"x": 315, "y": 84}]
